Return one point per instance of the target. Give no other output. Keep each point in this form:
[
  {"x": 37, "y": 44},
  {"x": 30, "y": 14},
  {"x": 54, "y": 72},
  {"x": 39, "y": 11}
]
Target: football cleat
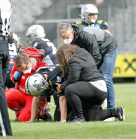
[
  {"x": 47, "y": 117},
  {"x": 78, "y": 120},
  {"x": 16, "y": 119},
  {"x": 121, "y": 113}
]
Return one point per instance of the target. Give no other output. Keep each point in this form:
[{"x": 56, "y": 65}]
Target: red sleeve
[
  {"x": 12, "y": 73},
  {"x": 41, "y": 64}
]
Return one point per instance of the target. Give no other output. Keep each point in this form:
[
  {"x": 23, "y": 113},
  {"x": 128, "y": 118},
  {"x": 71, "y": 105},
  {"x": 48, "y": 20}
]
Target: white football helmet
[
  {"x": 36, "y": 85},
  {"x": 35, "y": 32},
  {"x": 88, "y": 9}
]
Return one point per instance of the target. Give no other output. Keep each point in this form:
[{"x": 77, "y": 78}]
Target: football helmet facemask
[
  {"x": 35, "y": 32},
  {"x": 88, "y": 9},
  {"x": 36, "y": 85}
]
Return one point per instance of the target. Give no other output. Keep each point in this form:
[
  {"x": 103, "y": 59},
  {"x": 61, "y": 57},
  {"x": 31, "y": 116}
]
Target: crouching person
[
  {"x": 17, "y": 99},
  {"x": 84, "y": 87},
  {"x": 42, "y": 85}
]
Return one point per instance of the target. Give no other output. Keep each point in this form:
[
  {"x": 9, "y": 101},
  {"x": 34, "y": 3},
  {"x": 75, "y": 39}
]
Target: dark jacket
[
  {"x": 94, "y": 40},
  {"x": 81, "y": 67}
]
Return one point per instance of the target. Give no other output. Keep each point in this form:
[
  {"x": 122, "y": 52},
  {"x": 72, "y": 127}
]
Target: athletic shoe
[
  {"x": 78, "y": 120},
  {"x": 121, "y": 113},
  {"x": 110, "y": 119},
  {"x": 47, "y": 117},
  {"x": 16, "y": 119},
  {"x": 46, "y": 109}
]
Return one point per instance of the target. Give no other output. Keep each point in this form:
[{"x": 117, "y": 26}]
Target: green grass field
[{"x": 125, "y": 96}]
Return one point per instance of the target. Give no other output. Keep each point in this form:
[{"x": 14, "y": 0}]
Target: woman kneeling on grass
[{"x": 84, "y": 87}]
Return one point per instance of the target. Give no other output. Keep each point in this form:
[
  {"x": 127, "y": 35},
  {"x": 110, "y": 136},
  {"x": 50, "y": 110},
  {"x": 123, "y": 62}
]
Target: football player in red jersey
[{"x": 17, "y": 98}]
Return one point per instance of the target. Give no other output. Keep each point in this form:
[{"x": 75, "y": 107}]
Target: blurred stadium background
[{"x": 119, "y": 14}]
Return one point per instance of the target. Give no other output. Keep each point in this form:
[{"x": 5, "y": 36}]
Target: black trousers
[
  {"x": 85, "y": 99},
  {"x": 5, "y": 127},
  {"x": 8, "y": 82}
]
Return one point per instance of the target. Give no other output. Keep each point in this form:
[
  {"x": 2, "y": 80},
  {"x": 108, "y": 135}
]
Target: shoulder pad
[
  {"x": 99, "y": 21},
  {"x": 78, "y": 22}
]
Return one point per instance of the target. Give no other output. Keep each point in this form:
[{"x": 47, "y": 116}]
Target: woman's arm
[
  {"x": 34, "y": 108},
  {"x": 74, "y": 70}
]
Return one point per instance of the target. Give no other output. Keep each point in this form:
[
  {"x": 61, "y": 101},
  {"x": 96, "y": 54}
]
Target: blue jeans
[{"x": 109, "y": 61}]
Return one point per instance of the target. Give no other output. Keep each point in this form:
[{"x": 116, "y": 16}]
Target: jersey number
[
  {"x": 53, "y": 47},
  {"x": 12, "y": 49}
]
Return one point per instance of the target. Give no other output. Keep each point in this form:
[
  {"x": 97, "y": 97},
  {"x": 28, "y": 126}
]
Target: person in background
[
  {"x": 89, "y": 15},
  {"x": 37, "y": 39},
  {"x": 13, "y": 51},
  {"x": 5, "y": 17}
]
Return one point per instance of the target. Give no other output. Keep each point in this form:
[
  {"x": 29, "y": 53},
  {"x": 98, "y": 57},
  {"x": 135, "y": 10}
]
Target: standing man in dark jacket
[
  {"x": 5, "y": 14},
  {"x": 102, "y": 47}
]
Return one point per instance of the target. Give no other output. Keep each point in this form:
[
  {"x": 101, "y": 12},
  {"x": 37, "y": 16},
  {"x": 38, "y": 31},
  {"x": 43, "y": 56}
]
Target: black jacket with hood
[
  {"x": 81, "y": 67},
  {"x": 94, "y": 40}
]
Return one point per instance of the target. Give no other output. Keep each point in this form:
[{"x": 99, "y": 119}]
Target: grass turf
[{"x": 125, "y": 96}]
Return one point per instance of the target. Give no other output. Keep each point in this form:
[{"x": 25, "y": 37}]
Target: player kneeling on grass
[
  {"x": 17, "y": 99},
  {"x": 42, "y": 85},
  {"x": 84, "y": 88}
]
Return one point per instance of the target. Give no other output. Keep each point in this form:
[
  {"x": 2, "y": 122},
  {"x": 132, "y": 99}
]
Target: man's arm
[
  {"x": 34, "y": 108},
  {"x": 104, "y": 26},
  {"x": 90, "y": 44},
  {"x": 106, "y": 30},
  {"x": 14, "y": 69}
]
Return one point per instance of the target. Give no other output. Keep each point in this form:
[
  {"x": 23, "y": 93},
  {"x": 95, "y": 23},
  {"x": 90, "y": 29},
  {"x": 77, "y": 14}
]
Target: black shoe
[
  {"x": 121, "y": 113},
  {"x": 47, "y": 117},
  {"x": 46, "y": 109},
  {"x": 78, "y": 120},
  {"x": 101, "y": 108},
  {"x": 16, "y": 119}
]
